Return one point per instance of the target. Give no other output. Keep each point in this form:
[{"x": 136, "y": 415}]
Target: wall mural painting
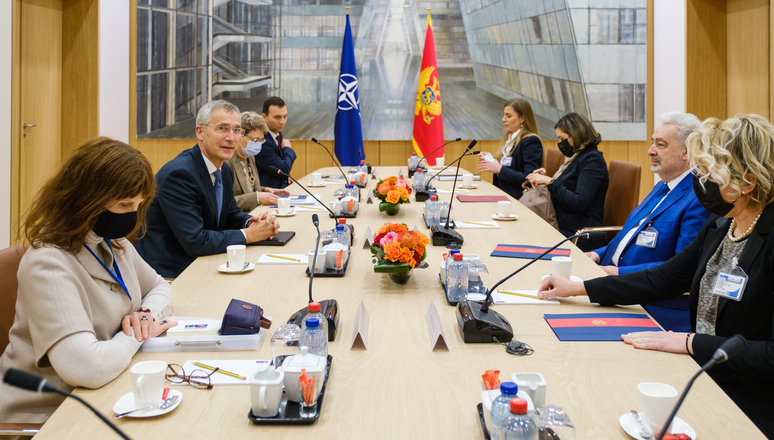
[{"x": 586, "y": 56}]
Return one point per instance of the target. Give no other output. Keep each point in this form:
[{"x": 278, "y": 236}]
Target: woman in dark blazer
[
  {"x": 521, "y": 152},
  {"x": 734, "y": 180},
  {"x": 579, "y": 187}
]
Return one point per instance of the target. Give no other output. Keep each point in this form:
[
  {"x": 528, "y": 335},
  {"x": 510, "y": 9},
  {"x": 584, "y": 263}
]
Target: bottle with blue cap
[
  {"x": 314, "y": 338},
  {"x": 501, "y": 406}
]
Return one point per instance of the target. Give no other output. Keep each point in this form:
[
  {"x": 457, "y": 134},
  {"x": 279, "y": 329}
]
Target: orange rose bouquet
[
  {"x": 396, "y": 249},
  {"x": 392, "y": 191}
]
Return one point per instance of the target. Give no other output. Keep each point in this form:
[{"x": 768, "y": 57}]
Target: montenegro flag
[{"x": 428, "y": 122}]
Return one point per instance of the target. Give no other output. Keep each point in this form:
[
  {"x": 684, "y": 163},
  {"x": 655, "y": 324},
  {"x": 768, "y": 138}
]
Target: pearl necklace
[{"x": 746, "y": 233}]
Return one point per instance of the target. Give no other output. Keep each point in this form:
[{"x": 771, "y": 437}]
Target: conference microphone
[
  {"x": 282, "y": 173},
  {"x": 329, "y": 307},
  {"x": 442, "y": 235},
  {"x": 31, "y": 382},
  {"x": 419, "y": 162},
  {"x": 726, "y": 351},
  {"x": 427, "y": 182},
  {"x": 335, "y": 162},
  {"x": 479, "y": 324}
]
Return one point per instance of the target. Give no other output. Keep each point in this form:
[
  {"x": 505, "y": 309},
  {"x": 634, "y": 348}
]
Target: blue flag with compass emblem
[{"x": 348, "y": 131}]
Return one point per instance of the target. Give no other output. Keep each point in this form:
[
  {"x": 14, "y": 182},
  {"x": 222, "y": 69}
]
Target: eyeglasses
[
  {"x": 260, "y": 141},
  {"x": 223, "y": 130},
  {"x": 198, "y": 378}
]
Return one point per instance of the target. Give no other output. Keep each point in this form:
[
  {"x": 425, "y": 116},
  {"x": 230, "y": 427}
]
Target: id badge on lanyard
[
  {"x": 731, "y": 282},
  {"x": 647, "y": 237},
  {"x": 506, "y": 161}
]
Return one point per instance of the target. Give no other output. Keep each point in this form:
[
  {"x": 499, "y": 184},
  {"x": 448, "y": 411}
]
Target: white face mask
[{"x": 253, "y": 148}]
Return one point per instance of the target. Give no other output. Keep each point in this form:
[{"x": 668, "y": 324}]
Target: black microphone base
[
  {"x": 424, "y": 195},
  {"x": 329, "y": 308},
  {"x": 476, "y": 326},
  {"x": 443, "y": 236}
]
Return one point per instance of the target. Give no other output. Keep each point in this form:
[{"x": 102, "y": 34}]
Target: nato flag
[{"x": 348, "y": 132}]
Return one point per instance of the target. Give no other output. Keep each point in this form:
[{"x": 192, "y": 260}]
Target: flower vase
[
  {"x": 393, "y": 210},
  {"x": 400, "y": 277}
]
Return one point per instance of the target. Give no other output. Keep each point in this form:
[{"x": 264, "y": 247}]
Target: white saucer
[
  {"x": 573, "y": 278},
  {"x": 633, "y": 428},
  {"x": 289, "y": 214},
  {"x": 126, "y": 403},
  {"x": 474, "y": 186},
  {"x": 224, "y": 269},
  {"x": 505, "y": 219},
  {"x": 316, "y": 186}
]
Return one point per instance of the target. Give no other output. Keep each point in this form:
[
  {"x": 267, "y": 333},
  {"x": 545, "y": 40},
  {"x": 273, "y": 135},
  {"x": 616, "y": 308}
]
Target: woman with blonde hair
[
  {"x": 727, "y": 269},
  {"x": 247, "y": 188},
  {"x": 86, "y": 300},
  {"x": 579, "y": 187},
  {"x": 521, "y": 152}
]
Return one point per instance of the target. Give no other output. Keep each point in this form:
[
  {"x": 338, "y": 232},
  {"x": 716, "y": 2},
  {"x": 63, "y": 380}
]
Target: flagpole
[{"x": 347, "y": 10}]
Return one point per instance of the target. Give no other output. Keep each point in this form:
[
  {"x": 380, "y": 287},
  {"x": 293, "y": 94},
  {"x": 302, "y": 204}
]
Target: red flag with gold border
[{"x": 428, "y": 121}]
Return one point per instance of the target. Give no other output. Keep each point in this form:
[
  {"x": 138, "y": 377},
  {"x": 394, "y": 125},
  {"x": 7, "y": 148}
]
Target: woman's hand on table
[
  {"x": 143, "y": 326},
  {"x": 488, "y": 166},
  {"x": 267, "y": 198},
  {"x": 661, "y": 341},
  {"x": 559, "y": 286},
  {"x": 277, "y": 191}
]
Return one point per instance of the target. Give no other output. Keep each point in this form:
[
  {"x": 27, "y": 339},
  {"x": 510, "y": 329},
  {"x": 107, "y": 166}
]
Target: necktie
[
  {"x": 659, "y": 194},
  {"x": 279, "y": 143},
  {"x": 218, "y": 190}
]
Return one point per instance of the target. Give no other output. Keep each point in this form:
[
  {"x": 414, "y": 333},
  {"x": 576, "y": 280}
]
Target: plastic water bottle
[
  {"x": 314, "y": 338},
  {"x": 446, "y": 262},
  {"x": 349, "y": 228},
  {"x": 419, "y": 180},
  {"x": 501, "y": 406},
  {"x": 457, "y": 279},
  {"x": 432, "y": 212},
  {"x": 341, "y": 236},
  {"x": 352, "y": 191},
  {"x": 314, "y": 311},
  {"x": 517, "y": 425},
  {"x": 362, "y": 168},
  {"x": 413, "y": 162}
]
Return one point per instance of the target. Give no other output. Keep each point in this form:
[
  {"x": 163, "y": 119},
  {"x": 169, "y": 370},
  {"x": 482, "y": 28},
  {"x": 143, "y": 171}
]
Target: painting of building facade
[{"x": 585, "y": 56}]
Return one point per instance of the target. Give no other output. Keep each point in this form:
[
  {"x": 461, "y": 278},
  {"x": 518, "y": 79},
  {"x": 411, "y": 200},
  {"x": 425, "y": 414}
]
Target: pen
[
  {"x": 311, "y": 207},
  {"x": 284, "y": 258},
  {"x": 481, "y": 224},
  {"x": 521, "y": 294},
  {"x": 227, "y": 373}
]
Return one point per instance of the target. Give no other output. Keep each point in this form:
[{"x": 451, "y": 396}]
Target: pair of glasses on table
[{"x": 198, "y": 378}]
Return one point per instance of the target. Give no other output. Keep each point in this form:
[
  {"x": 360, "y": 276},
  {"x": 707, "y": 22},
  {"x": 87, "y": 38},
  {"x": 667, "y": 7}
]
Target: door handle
[{"x": 25, "y": 125}]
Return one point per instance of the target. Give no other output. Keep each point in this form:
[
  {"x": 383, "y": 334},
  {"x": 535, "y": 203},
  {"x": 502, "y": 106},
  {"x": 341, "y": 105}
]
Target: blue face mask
[{"x": 253, "y": 148}]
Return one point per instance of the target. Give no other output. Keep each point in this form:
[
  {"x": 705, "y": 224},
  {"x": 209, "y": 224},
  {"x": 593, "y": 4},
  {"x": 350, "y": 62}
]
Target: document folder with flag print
[
  {"x": 523, "y": 251},
  {"x": 599, "y": 326}
]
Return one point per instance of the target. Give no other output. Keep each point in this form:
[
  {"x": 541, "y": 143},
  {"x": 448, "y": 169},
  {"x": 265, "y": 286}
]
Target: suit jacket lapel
[{"x": 205, "y": 180}]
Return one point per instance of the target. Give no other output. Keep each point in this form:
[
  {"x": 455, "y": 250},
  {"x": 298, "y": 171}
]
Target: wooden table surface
[{"x": 398, "y": 387}]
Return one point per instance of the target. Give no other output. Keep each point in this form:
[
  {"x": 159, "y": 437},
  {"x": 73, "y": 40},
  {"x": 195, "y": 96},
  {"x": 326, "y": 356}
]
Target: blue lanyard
[{"x": 117, "y": 274}]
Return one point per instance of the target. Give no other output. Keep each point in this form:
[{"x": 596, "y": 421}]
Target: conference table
[{"x": 398, "y": 386}]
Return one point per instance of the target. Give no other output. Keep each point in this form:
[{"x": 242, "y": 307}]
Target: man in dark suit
[
  {"x": 276, "y": 149},
  {"x": 665, "y": 222},
  {"x": 194, "y": 212}
]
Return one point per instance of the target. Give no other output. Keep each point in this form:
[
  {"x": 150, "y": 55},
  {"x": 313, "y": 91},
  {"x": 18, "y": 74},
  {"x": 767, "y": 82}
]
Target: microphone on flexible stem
[
  {"x": 447, "y": 166},
  {"x": 31, "y": 382},
  {"x": 335, "y": 162},
  {"x": 329, "y": 307},
  {"x": 442, "y": 235},
  {"x": 726, "y": 351},
  {"x": 282, "y": 173},
  {"x": 479, "y": 324},
  {"x": 419, "y": 162}
]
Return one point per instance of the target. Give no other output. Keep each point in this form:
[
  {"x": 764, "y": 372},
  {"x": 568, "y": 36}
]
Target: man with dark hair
[
  {"x": 276, "y": 150},
  {"x": 194, "y": 212}
]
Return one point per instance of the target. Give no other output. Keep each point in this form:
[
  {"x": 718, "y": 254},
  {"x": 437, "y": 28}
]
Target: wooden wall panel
[
  {"x": 748, "y": 57},
  {"x": 706, "y": 58},
  {"x": 80, "y": 72}
]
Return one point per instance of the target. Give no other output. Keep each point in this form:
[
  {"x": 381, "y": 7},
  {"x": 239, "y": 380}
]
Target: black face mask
[
  {"x": 111, "y": 225},
  {"x": 566, "y": 148},
  {"x": 710, "y": 198}
]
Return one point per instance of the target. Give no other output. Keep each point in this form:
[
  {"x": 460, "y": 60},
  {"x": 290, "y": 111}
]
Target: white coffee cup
[
  {"x": 439, "y": 162},
  {"x": 317, "y": 179},
  {"x": 319, "y": 265},
  {"x": 236, "y": 256},
  {"x": 467, "y": 180},
  {"x": 266, "y": 392},
  {"x": 335, "y": 206},
  {"x": 148, "y": 382},
  {"x": 656, "y": 403},
  {"x": 283, "y": 205},
  {"x": 504, "y": 208},
  {"x": 562, "y": 266}
]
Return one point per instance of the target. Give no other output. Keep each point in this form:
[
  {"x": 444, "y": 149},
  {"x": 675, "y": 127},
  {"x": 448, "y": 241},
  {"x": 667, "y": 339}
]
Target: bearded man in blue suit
[{"x": 665, "y": 222}]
